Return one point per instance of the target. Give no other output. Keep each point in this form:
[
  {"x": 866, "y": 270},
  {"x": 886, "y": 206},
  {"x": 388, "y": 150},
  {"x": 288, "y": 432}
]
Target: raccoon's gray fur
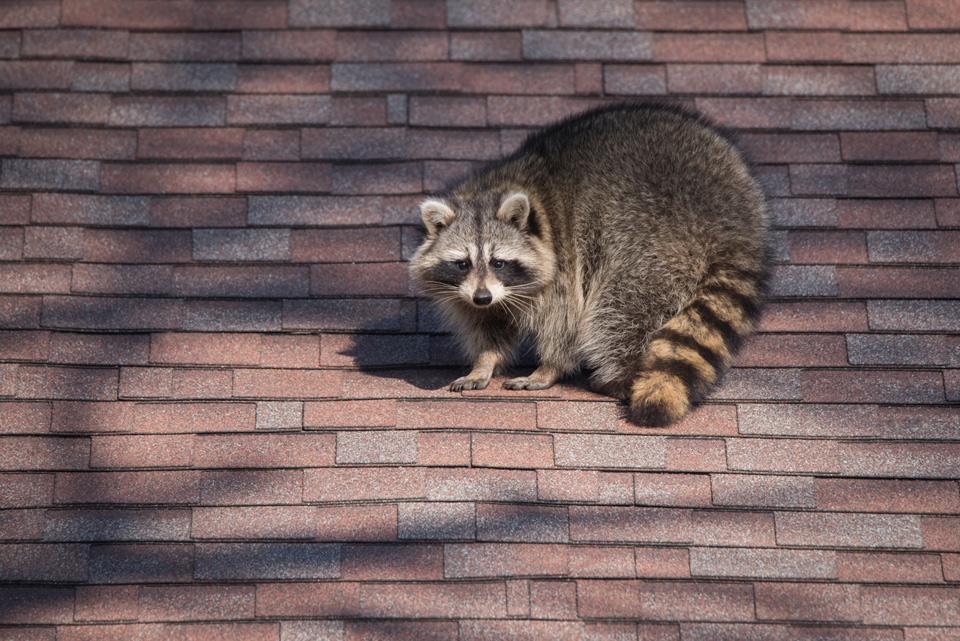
[{"x": 630, "y": 239}]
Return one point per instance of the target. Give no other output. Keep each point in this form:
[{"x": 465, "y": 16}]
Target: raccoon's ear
[
  {"x": 515, "y": 210},
  {"x": 436, "y": 215}
]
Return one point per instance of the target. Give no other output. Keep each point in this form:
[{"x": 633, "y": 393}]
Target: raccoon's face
[{"x": 481, "y": 253}]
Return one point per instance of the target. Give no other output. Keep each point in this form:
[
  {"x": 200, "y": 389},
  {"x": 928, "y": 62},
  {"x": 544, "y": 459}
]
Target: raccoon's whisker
[
  {"x": 521, "y": 296},
  {"x": 523, "y": 302},
  {"x": 527, "y": 303},
  {"x": 534, "y": 285},
  {"x": 441, "y": 291},
  {"x": 446, "y": 297},
  {"x": 530, "y": 295},
  {"x": 438, "y": 286},
  {"x": 516, "y": 317},
  {"x": 513, "y": 316},
  {"x": 518, "y": 307},
  {"x": 522, "y": 305}
]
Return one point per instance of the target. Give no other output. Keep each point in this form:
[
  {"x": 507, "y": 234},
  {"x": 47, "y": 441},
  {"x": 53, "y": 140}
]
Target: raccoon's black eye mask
[
  {"x": 448, "y": 273},
  {"x": 512, "y": 273}
]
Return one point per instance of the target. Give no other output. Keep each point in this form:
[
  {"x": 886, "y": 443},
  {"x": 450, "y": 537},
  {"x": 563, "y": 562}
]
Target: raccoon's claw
[
  {"x": 465, "y": 382},
  {"x": 525, "y": 382}
]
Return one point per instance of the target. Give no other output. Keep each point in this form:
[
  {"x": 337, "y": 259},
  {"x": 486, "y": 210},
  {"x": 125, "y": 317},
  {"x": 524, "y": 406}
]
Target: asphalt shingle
[{"x": 223, "y": 411}]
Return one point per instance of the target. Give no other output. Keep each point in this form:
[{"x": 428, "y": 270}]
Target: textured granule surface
[{"x": 222, "y": 406}]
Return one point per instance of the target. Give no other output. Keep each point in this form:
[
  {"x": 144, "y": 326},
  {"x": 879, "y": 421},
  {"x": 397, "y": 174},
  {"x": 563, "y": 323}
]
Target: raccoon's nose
[{"x": 482, "y": 297}]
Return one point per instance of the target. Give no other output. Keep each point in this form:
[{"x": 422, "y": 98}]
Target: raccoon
[{"x": 630, "y": 240}]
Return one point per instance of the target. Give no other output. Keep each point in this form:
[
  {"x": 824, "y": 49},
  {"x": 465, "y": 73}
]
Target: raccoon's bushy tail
[{"x": 685, "y": 357}]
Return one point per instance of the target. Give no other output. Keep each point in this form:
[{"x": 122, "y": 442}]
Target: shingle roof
[{"x": 222, "y": 407}]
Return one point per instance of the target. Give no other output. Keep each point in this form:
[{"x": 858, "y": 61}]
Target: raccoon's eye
[
  {"x": 462, "y": 265},
  {"x": 497, "y": 264}
]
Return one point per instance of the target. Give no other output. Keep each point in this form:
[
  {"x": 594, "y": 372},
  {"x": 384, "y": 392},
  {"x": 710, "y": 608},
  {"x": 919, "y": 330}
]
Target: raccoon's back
[
  {"x": 652, "y": 195},
  {"x": 633, "y": 165}
]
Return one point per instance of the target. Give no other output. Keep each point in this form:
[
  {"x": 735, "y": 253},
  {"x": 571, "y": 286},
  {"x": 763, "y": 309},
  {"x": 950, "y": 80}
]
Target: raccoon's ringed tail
[{"x": 685, "y": 358}]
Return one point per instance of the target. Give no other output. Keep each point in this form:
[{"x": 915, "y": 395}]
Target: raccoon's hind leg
[{"x": 685, "y": 358}]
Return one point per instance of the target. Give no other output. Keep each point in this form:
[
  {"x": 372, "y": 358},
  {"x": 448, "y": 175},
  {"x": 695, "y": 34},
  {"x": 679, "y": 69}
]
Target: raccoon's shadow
[{"x": 430, "y": 362}]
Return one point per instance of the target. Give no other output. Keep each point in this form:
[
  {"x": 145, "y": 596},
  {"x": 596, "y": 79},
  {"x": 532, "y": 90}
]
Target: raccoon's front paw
[
  {"x": 525, "y": 382},
  {"x": 466, "y": 382}
]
